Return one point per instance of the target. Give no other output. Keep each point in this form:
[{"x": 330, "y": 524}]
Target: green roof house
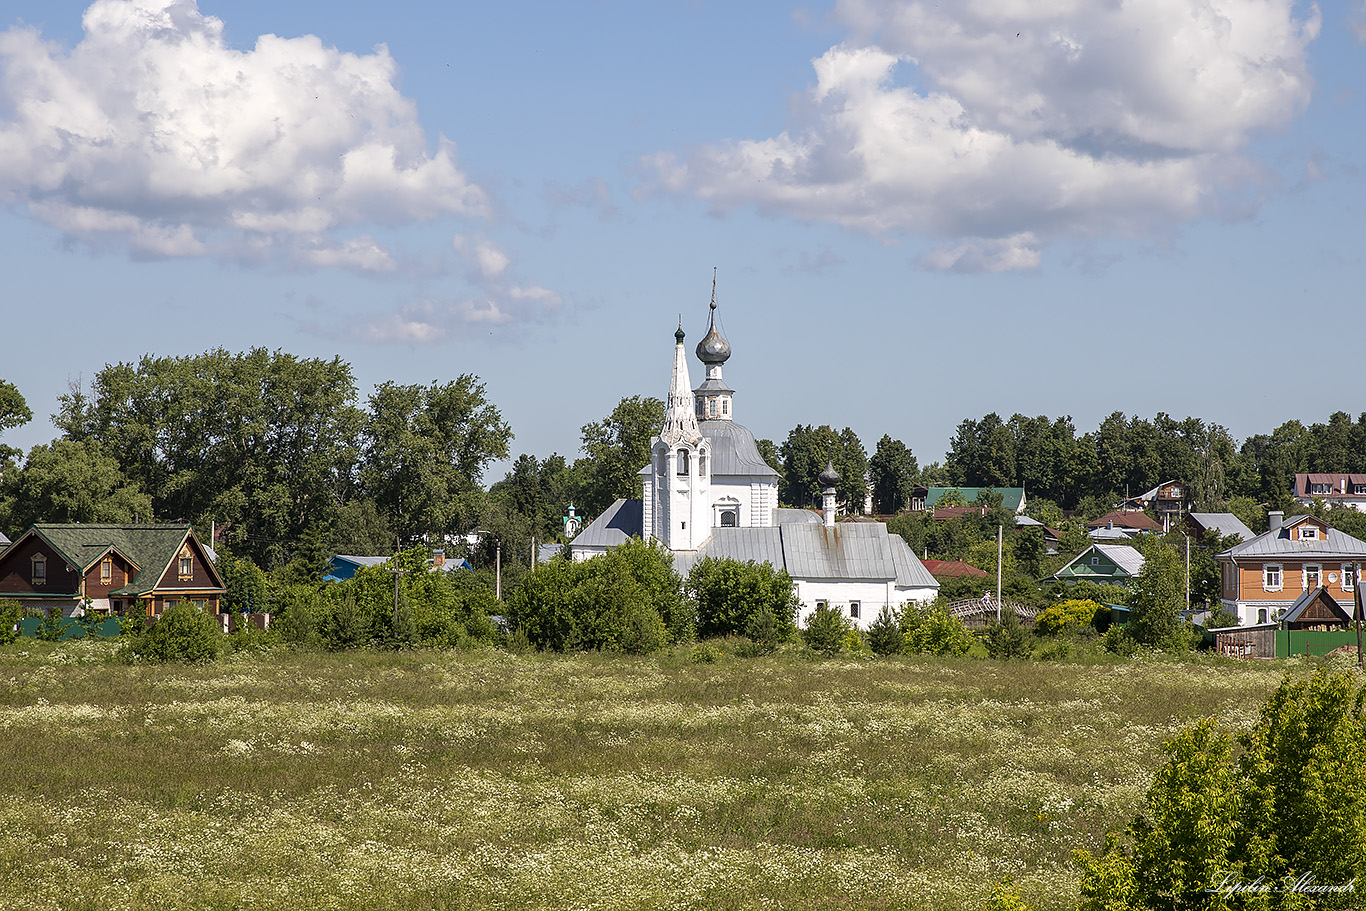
[
  {"x": 119, "y": 568},
  {"x": 1106, "y": 564}
]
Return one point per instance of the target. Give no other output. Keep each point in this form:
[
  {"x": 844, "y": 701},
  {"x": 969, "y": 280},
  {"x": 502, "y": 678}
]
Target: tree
[
  {"x": 805, "y": 455},
  {"x": 425, "y": 452},
  {"x": 884, "y": 635},
  {"x": 615, "y": 449},
  {"x": 1157, "y": 596},
  {"x": 894, "y": 470},
  {"x": 245, "y": 584},
  {"x": 14, "y": 412},
  {"x": 65, "y": 481},
  {"x": 825, "y": 630},
  {"x": 728, "y": 594},
  {"x": 1292, "y": 804}
]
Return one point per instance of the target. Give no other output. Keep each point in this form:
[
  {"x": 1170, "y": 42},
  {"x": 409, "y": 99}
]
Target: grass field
[{"x": 492, "y": 780}]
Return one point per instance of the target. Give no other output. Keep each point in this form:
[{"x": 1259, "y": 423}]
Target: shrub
[
  {"x": 934, "y": 631},
  {"x": 645, "y": 631},
  {"x": 1065, "y": 617},
  {"x": 765, "y": 632},
  {"x": 184, "y": 633},
  {"x": 1291, "y": 804},
  {"x": 345, "y": 626},
  {"x": 11, "y": 612},
  {"x": 825, "y": 630},
  {"x": 299, "y": 616},
  {"x": 884, "y": 635},
  {"x": 1119, "y": 642},
  {"x": 729, "y": 594},
  {"x": 705, "y": 653},
  {"x": 133, "y": 621},
  {"x": 53, "y": 626},
  {"x": 89, "y": 621},
  {"x": 1007, "y": 639}
]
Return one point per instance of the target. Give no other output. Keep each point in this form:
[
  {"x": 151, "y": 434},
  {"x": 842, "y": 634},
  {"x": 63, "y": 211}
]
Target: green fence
[
  {"x": 70, "y": 628},
  {"x": 1308, "y": 642}
]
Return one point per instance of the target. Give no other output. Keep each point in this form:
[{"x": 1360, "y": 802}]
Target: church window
[
  {"x": 1261, "y": 615},
  {"x": 725, "y": 406},
  {"x": 702, "y": 465},
  {"x": 682, "y": 462},
  {"x": 729, "y": 519},
  {"x": 820, "y": 605},
  {"x": 853, "y": 609}
]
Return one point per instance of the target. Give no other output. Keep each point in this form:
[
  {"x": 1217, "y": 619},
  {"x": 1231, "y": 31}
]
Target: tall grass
[{"x": 490, "y": 780}]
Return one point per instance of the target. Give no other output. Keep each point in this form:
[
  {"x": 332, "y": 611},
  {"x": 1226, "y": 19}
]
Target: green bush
[
  {"x": 1066, "y": 617},
  {"x": 1290, "y": 803},
  {"x": 1119, "y": 642},
  {"x": 765, "y": 631},
  {"x": 1007, "y": 639},
  {"x": 884, "y": 635},
  {"x": 53, "y": 626},
  {"x": 704, "y": 653},
  {"x": 825, "y": 630},
  {"x": 931, "y": 630},
  {"x": 730, "y": 594},
  {"x": 11, "y": 612},
  {"x": 184, "y": 633}
]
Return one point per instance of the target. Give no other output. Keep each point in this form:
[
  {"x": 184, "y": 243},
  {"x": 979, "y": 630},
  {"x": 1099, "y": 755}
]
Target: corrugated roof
[
  {"x": 762, "y": 545},
  {"x": 910, "y": 572},
  {"x": 1121, "y": 519},
  {"x": 842, "y": 552},
  {"x": 734, "y": 450},
  {"x": 955, "y": 568},
  {"x": 1225, "y": 523},
  {"x": 1011, "y": 497},
  {"x": 1277, "y": 543},
  {"x": 1123, "y": 556},
  {"x": 617, "y": 524}
]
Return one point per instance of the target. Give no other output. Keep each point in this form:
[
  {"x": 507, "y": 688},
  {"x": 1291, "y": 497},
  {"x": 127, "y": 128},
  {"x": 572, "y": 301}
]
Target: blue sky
[{"x": 918, "y": 215}]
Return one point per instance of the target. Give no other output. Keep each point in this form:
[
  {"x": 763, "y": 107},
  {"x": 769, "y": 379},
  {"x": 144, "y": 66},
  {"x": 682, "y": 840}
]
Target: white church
[{"x": 707, "y": 492}]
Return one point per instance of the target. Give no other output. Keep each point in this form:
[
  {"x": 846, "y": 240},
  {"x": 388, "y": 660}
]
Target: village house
[
  {"x": 1335, "y": 489},
  {"x": 1104, "y": 564},
  {"x": 1265, "y": 576},
  {"x": 119, "y": 568}
]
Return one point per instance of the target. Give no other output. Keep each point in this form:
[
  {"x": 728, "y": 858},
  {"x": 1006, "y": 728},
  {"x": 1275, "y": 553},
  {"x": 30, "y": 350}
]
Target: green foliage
[
  {"x": 299, "y": 615},
  {"x": 629, "y": 599},
  {"x": 825, "y": 630},
  {"x": 14, "y": 412},
  {"x": 804, "y": 455},
  {"x": 346, "y": 626},
  {"x": 766, "y": 630},
  {"x": 931, "y": 630},
  {"x": 89, "y": 621},
  {"x": 65, "y": 481},
  {"x": 1004, "y": 897},
  {"x": 1007, "y": 639},
  {"x": 1117, "y": 640},
  {"x": 403, "y": 629},
  {"x": 615, "y": 448},
  {"x": 11, "y": 612},
  {"x": 53, "y": 626},
  {"x": 704, "y": 653},
  {"x": 893, "y": 470},
  {"x": 183, "y": 633},
  {"x": 1066, "y": 617},
  {"x": 884, "y": 634},
  {"x": 133, "y": 621},
  {"x": 729, "y": 594},
  {"x": 245, "y": 584},
  {"x": 1157, "y": 596},
  {"x": 1291, "y": 803}
]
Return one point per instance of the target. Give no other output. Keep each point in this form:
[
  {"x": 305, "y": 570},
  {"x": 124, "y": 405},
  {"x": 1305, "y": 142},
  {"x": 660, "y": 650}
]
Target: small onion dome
[
  {"x": 830, "y": 477},
  {"x": 679, "y": 334},
  {"x": 713, "y": 349}
]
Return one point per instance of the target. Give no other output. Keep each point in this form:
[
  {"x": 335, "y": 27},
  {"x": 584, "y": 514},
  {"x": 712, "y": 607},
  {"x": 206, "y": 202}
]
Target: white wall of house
[{"x": 842, "y": 593}]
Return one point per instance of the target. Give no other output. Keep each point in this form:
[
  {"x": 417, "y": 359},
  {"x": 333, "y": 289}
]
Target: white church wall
[{"x": 842, "y": 593}]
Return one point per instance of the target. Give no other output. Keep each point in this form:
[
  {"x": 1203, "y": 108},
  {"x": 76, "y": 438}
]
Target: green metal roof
[
  {"x": 150, "y": 547},
  {"x": 1011, "y": 497}
]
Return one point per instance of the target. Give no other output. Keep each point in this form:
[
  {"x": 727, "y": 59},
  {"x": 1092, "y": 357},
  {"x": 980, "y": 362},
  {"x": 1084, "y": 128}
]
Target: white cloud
[
  {"x": 1035, "y": 120},
  {"x": 154, "y": 135}
]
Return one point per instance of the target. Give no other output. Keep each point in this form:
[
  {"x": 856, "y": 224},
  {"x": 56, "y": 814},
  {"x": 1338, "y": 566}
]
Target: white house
[{"x": 707, "y": 492}]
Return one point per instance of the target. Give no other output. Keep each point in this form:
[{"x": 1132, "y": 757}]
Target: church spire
[{"x": 680, "y": 424}]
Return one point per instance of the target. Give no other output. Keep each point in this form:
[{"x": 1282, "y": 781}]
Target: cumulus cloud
[
  {"x": 152, "y": 134},
  {"x": 497, "y": 301},
  {"x": 1030, "y": 122}
]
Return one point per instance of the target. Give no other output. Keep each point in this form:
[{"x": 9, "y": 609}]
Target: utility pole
[
  {"x": 1188, "y": 574},
  {"x": 396, "y": 572},
  {"x": 999, "y": 534},
  {"x": 498, "y": 563}
]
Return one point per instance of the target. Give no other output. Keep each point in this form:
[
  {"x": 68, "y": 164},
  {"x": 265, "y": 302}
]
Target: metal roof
[
  {"x": 842, "y": 552},
  {"x": 1277, "y": 543},
  {"x": 784, "y": 516},
  {"x": 1011, "y": 497},
  {"x": 1226, "y": 523},
  {"x": 734, "y": 451},
  {"x": 1123, "y": 556},
  {"x": 617, "y": 524}
]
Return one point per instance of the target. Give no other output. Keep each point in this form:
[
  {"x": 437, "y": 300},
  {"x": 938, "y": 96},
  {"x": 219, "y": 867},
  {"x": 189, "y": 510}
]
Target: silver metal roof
[
  {"x": 784, "y": 516},
  {"x": 909, "y": 570},
  {"x": 1226, "y": 523},
  {"x": 1277, "y": 543},
  {"x": 617, "y": 524},
  {"x": 1123, "y": 556},
  {"x": 734, "y": 451}
]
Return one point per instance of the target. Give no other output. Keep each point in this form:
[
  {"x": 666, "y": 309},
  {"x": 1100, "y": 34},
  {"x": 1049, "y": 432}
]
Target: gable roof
[
  {"x": 617, "y": 524},
  {"x": 954, "y": 568},
  {"x": 1336, "y": 481},
  {"x": 1139, "y": 521},
  {"x": 1325, "y": 602},
  {"x": 149, "y": 548},
  {"x": 1125, "y": 558},
  {"x": 1277, "y": 543},
  {"x": 1225, "y": 523}
]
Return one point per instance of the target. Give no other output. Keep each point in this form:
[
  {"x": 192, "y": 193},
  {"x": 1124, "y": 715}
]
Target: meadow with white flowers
[{"x": 488, "y": 779}]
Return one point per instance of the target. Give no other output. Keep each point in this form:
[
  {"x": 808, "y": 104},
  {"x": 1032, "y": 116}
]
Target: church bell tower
[{"x": 676, "y": 489}]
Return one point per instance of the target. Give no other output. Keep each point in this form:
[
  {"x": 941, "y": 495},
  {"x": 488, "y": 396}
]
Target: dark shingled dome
[
  {"x": 830, "y": 477},
  {"x": 713, "y": 349}
]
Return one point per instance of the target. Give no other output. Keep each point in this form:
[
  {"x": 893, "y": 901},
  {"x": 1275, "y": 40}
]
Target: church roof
[
  {"x": 618, "y": 523},
  {"x": 733, "y": 450}
]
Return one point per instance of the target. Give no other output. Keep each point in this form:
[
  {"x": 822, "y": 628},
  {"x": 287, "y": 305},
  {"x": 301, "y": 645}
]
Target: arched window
[
  {"x": 682, "y": 463},
  {"x": 1261, "y": 615},
  {"x": 702, "y": 465}
]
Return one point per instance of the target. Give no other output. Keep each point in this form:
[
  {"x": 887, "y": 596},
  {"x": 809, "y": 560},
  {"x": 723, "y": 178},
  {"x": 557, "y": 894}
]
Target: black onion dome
[
  {"x": 713, "y": 349},
  {"x": 679, "y": 334},
  {"x": 830, "y": 477}
]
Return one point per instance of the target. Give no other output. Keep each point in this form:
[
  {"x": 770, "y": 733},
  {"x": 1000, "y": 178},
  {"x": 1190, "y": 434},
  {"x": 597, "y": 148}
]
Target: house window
[
  {"x": 1348, "y": 577},
  {"x": 1320, "y": 488},
  {"x": 1313, "y": 576},
  {"x": 106, "y": 570},
  {"x": 820, "y": 605},
  {"x": 853, "y": 609},
  {"x": 1359, "y": 490},
  {"x": 682, "y": 463},
  {"x": 1261, "y": 615},
  {"x": 1095, "y": 561},
  {"x": 1309, "y": 533},
  {"x": 39, "y": 575},
  {"x": 186, "y": 567},
  {"x": 1271, "y": 577}
]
